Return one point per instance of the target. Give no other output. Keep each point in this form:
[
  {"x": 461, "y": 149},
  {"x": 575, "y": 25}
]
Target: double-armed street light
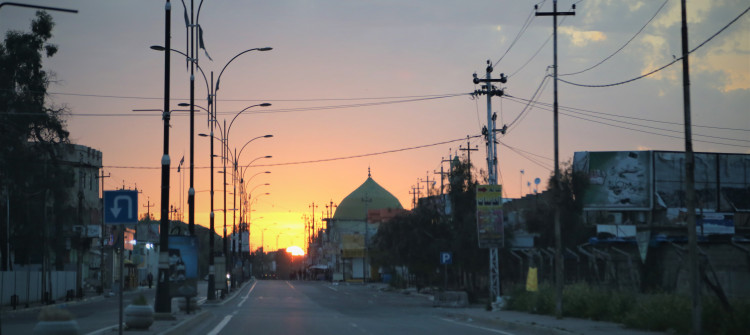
[{"x": 212, "y": 90}]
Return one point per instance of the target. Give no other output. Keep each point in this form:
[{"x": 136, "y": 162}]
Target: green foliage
[
  {"x": 30, "y": 133},
  {"x": 583, "y": 301},
  {"x": 660, "y": 312},
  {"x": 140, "y": 300},
  {"x": 664, "y": 312},
  {"x": 415, "y": 239},
  {"x": 567, "y": 194},
  {"x": 55, "y": 314}
]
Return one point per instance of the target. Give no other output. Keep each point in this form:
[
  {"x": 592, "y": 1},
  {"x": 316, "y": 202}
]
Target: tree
[
  {"x": 30, "y": 130},
  {"x": 569, "y": 196}
]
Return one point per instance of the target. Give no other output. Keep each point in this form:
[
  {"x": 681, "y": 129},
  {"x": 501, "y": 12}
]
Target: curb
[
  {"x": 537, "y": 328},
  {"x": 181, "y": 327}
]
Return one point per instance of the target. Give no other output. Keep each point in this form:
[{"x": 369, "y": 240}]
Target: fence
[{"x": 26, "y": 285}]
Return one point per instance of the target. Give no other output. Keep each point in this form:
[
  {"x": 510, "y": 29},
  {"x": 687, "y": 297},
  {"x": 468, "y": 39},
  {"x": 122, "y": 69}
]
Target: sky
[{"x": 383, "y": 86}]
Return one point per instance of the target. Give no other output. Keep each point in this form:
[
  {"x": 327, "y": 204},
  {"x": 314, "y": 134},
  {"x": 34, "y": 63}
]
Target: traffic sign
[
  {"x": 121, "y": 207},
  {"x": 446, "y": 258}
]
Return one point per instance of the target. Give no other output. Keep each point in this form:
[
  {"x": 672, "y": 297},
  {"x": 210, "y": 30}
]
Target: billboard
[
  {"x": 490, "y": 216},
  {"x": 183, "y": 266},
  {"x": 618, "y": 180},
  {"x": 352, "y": 245}
]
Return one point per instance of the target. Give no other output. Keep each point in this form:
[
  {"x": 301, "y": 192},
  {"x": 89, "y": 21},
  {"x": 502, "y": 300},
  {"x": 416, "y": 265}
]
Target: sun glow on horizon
[{"x": 295, "y": 251}]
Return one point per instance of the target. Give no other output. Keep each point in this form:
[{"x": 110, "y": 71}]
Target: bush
[
  {"x": 661, "y": 312},
  {"x": 140, "y": 300},
  {"x": 55, "y": 314}
]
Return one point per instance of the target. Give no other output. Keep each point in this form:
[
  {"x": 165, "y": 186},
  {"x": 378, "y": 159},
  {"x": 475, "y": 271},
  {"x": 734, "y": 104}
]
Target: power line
[
  {"x": 318, "y": 160},
  {"x": 533, "y": 98},
  {"x": 665, "y": 66},
  {"x": 623, "y": 46},
  {"x": 653, "y": 133},
  {"x": 518, "y": 35},
  {"x": 522, "y": 100},
  {"x": 538, "y": 50}
]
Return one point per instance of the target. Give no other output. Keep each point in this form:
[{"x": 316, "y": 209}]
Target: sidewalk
[
  {"x": 547, "y": 323},
  {"x": 527, "y": 321},
  {"x": 176, "y": 324}
]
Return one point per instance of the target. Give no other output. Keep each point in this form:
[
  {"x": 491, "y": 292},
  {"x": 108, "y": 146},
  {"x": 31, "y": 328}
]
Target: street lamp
[{"x": 163, "y": 303}]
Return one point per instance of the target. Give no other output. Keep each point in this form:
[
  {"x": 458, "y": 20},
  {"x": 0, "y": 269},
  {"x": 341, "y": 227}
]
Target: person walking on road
[{"x": 150, "y": 279}]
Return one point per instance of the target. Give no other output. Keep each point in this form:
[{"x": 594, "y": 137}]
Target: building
[{"x": 350, "y": 231}]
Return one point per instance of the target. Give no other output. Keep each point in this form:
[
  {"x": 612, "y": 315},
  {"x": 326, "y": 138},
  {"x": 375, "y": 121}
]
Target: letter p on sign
[{"x": 446, "y": 258}]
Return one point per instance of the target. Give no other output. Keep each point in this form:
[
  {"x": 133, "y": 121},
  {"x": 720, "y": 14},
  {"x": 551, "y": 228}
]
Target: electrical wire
[
  {"x": 663, "y": 67},
  {"x": 623, "y": 116},
  {"x": 538, "y": 50},
  {"x": 623, "y": 46},
  {"x": 649, "y": 132},
  {"x": 538, "y": 91},
  {"x": 525, "y": 26},
  {"x": 317, "y": 160}
]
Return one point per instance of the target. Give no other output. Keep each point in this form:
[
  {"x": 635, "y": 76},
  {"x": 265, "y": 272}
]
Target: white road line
[
  {"x": 478, "y": 327},
  {"x": 247, "y": 295},
  {"x": 290, "y": 285},
  {"x": 333, "y": 288},
  {"x": 221, "y": 325}
]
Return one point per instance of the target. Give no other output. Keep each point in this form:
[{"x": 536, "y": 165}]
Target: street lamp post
[{"x": 163, "y": 302}]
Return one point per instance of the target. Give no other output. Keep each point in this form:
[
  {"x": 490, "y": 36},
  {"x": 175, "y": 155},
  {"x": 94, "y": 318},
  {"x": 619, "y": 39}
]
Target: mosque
[{"x": 351, "y": 229}]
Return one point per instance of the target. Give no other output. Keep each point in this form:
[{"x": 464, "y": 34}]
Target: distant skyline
[{"x": 384, "y": 85}]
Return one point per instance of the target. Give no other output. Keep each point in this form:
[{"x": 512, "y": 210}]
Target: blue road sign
[
  {"x": 121, "y": 207},
  {"x": 446, "y": 258}
]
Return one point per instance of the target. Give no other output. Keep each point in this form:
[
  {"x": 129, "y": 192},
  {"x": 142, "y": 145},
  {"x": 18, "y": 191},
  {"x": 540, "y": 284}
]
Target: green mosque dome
[{"x": 353, "y": 206}]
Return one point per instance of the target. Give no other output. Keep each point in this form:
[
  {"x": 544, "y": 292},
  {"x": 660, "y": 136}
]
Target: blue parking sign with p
[{"x": 446, "y": 258}]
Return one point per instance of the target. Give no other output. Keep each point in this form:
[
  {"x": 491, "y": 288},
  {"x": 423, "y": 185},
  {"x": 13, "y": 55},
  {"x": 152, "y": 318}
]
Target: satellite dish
[{"x": 537, "y": 181}]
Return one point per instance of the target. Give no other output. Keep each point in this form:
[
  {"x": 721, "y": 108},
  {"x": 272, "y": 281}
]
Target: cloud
[
  {"x": 696, "y": 12},
  {"x": 636, "y": 6},
  {"x": 582, "y": 38},
  {"x": 654, "y": 56},
  {"x": 731, "y": 59}
]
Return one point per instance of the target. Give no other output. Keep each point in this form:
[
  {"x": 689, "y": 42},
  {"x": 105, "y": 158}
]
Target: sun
[{"x": 295, "y": 251}]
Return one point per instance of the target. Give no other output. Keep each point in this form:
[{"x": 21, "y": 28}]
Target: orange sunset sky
[{"x": 351, "y": 80}]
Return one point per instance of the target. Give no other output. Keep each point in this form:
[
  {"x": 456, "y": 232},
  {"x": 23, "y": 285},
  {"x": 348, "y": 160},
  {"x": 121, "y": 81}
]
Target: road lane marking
[
  {"x": 247, "y": 295},
  {"x": 221, "y": 325},
  {"x": 477, "y": 327},
  {"x": 333, "y": 288}
]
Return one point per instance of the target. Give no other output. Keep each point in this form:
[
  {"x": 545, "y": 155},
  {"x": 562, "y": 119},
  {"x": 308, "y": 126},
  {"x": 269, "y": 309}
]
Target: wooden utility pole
[{"x": 558, "y": 233}]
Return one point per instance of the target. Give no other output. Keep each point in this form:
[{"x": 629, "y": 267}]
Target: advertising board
[
  {"x": 490, "y": 216},
  {"x": 618, "y": 180}
]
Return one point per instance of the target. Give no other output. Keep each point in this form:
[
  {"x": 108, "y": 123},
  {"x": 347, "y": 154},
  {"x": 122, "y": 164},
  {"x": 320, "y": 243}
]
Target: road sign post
[{"x": 445, "y": 259}]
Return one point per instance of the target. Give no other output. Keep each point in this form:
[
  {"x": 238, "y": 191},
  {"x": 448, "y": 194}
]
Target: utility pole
[
  {"x": 468, "y": 150},
  {"x": 415, "y": 194},
  {"x": 427, "y": 182},
  {"x": 100, "y": 290},
  {"x": 489, "y": 132},
  {"x": 366, "y": 200},
  {"x": 695, "y": 278},
  {"x": 312, "y": 224},
  {"x": 558, "y": 233}
]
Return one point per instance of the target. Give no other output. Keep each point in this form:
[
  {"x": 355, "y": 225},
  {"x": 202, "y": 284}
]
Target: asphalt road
[{"x": 302, "y": 307}]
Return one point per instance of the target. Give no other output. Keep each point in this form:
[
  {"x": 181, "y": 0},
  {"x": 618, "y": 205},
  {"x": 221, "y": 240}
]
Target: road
[{"x": 302, "y": 307}]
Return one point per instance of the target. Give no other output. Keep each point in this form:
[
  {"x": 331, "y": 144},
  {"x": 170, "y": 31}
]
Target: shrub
[
  {"x": 55, "y": 314},
  {"x": 660, "y": 312},
  {"x": 140, "y": 300}
]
